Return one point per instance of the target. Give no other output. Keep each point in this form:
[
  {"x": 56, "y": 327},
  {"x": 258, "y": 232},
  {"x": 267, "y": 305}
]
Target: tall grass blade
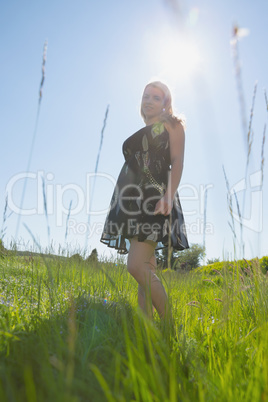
[
  {"x": 250, "y": 137},
  {"x": 67, "y": 220},
  {"x": 34, "y": 135},
  {"x": 33, "y": 238},
  {"x": 176, "y": 9},
  {"x": 103, "y": 383},
  {"x": 96, "y": 170},
  {"x": 205, "y": 220},
  {"x": 262, "y": 170},
  {"x": 3, "y": 229},
  {"x": 242, "y": 244},
  {"x": 230, "y": 208},
  {"x": 262, "y": 154},
  {"x": 263, "y": 140},
  {"x": 50, "y": 276},
  {"x": 45, "y": 208},
  {"x": 239, "y": 82}
]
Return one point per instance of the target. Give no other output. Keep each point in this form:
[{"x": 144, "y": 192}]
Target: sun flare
[
  {"x": 180, "y": 59},
  {"x": 175, "y": 57}
]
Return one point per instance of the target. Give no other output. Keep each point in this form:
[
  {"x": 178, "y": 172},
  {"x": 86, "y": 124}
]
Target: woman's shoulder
[{"x": 175, "y": 125}]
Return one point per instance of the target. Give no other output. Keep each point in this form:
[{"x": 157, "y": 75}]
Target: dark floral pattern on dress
[{"x": 141, "y": 183}]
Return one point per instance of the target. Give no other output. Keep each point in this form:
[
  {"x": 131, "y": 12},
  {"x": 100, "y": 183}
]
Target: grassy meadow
[{"x": 71, "y": 331}]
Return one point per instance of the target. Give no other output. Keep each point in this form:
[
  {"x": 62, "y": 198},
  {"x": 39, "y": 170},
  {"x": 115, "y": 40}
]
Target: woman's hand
[{"x": 164, "y": 206}]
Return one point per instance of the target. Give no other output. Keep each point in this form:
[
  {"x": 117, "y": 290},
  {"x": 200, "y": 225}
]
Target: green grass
[{"x": 71, "y": 331}]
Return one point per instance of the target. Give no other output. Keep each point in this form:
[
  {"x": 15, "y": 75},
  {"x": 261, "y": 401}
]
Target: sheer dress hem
[{"x": 122, "y": 244}]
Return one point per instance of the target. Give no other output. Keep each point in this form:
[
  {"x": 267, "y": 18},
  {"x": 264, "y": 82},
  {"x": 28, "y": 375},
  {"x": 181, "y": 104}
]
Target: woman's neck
[{"x": 149, "y": 122}]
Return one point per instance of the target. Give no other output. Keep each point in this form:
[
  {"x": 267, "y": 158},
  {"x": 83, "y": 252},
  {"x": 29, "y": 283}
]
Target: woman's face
[{"x": 152, "y": 103}]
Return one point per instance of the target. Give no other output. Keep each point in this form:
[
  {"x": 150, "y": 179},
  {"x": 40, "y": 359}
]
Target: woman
[{"x": 145, "y": 212}]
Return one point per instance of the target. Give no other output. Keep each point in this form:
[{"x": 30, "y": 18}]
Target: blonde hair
[{"x": 167, "y": 113}]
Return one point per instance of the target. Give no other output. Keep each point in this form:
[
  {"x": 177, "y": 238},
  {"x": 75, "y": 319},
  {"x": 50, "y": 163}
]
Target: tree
[
  {"x": 163, "y": 256},
  {"x": 190, "y": 258},
  {"x": 3, "y": 250},
  {"x": 93, "y": 257},
  {"x": 186, "y": 259}
]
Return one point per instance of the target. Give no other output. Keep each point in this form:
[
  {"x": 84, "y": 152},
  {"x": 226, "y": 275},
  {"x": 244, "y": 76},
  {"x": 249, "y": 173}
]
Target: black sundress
[{"x": 141, "y": 183}]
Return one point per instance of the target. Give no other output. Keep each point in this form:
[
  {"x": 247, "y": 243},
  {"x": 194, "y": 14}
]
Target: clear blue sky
[{"x": 102, "y": 53}]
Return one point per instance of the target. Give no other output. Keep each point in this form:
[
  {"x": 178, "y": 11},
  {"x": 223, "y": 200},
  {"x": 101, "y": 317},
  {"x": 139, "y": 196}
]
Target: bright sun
[
  {"x": 180, "y": 59},
  {"x": 174, "y": 56}
]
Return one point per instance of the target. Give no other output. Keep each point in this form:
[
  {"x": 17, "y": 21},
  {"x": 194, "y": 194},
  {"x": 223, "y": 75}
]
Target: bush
[
  {"x": 76, "y": 258},
  {"x": 264, "y": 264},
  {"x": 230, "y": 265},
  {"x": 3, "y": 250},
  {"x": 212, "y": 261}
]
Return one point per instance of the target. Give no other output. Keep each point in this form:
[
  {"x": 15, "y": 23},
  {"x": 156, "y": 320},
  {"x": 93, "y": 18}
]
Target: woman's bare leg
[
  {"x": 141, "y": 293},
  {"x": 140, "y": 254}
]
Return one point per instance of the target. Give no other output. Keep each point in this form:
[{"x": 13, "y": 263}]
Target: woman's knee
[
  {"x": 139, "y": 258},
  {"x": 142, "y": 272},
  {"x": 139, "y": 270},
  {"x": 133, "y": 268}
]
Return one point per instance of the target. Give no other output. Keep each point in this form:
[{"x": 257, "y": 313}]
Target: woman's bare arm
[{"x": 176, "y": 142}]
